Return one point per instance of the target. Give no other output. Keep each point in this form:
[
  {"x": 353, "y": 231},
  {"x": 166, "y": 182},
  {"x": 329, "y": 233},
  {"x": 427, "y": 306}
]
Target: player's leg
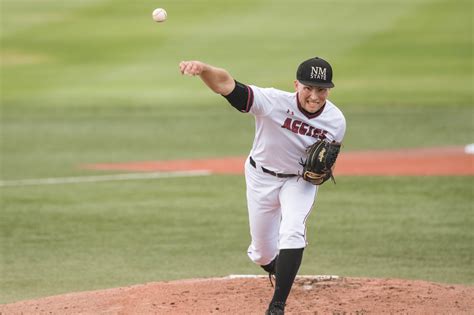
[
  {"x": 296, "y": 198},
  {"x": 264, "y": 215}
]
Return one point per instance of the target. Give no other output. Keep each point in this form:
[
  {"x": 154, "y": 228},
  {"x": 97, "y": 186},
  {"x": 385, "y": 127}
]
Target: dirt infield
[
  {"x": 310, "y": 295},
  {"x": 442, "y": 161}
]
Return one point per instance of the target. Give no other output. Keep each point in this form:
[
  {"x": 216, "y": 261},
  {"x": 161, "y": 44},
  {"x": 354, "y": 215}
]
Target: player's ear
[{"x": 296, "y": 85}]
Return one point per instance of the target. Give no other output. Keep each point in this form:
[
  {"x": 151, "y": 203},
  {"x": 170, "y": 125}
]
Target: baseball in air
[{"x": 159, "y": 15}]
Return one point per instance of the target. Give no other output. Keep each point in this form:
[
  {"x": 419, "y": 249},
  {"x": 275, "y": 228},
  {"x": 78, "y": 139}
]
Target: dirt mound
[{"x": 310, "y": 295}]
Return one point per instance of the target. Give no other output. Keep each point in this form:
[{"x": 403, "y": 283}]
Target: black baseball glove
[{"x": 322, "y": 155}]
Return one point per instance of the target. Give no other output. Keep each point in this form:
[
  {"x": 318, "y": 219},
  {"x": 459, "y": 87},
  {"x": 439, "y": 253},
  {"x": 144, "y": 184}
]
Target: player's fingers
[
  {"x": 195, "y": 69},
  {"x": 191, "y": 68},
  {"x": 182, "y": 66}
]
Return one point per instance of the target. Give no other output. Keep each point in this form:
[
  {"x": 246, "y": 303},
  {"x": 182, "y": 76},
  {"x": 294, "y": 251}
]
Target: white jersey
[{"x": 284, "y": 130}]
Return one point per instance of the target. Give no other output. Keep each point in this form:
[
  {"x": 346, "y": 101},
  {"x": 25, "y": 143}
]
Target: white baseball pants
[{"x": 278, "y": 209}]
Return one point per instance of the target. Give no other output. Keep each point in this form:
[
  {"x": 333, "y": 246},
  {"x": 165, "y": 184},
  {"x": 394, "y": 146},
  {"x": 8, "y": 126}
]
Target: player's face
[{"x": 311, "y": 98}]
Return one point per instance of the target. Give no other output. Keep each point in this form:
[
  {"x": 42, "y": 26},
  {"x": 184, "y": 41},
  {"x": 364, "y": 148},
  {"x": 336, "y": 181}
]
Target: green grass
[
  {"x": 105, "y": 53},
  {"x": 121, "y": 233},
  {"x": 412, "y": 227},
  {"x": 135, "y": 232},
  {"x": 98, "y": 81}
]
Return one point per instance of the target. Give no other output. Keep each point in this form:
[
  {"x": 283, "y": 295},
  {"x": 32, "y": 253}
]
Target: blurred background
[{"x": 97, "y": 81}]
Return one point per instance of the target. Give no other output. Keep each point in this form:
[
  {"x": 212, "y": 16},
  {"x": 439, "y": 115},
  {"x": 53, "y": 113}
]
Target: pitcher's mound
[{"x": 250, "y": 295}]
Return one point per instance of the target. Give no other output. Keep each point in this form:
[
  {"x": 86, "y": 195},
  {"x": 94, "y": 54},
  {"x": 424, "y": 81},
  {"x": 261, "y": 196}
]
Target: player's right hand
[{"x": 191, "y": 68}]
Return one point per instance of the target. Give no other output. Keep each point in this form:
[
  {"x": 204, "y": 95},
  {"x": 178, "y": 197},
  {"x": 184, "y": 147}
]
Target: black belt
[{"x": 265, "y": 170}]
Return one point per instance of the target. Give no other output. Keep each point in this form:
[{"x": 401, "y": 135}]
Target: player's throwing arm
[{"x": 217, "y": 79}]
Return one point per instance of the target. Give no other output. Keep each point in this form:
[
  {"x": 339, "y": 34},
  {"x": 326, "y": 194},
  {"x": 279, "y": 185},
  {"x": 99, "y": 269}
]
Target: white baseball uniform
[{"x": 279, "y": 206}]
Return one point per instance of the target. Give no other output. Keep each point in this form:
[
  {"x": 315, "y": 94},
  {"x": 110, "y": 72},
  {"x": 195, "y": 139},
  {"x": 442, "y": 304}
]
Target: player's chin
[{"x": 312, "y": 107}]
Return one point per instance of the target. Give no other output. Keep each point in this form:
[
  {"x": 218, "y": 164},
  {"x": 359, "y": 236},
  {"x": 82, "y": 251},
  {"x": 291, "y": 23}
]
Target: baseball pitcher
[{"x": 297, "y": 139}]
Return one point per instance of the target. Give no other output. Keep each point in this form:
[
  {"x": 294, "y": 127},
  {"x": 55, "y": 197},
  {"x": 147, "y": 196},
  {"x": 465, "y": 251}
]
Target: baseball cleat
[{"x": 276, "y": 308}]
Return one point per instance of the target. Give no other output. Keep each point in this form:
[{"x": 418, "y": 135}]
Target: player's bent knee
[
  {"x": 262, "y": 256},
  {"x": 293, "y": 240}
]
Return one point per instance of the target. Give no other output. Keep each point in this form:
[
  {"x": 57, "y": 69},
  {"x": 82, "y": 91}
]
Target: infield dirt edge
[{"x": 339, "y": 295}]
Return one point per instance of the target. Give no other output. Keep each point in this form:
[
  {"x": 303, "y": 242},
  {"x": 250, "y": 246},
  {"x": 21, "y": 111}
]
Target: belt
[{"x": 265, "y": 170}]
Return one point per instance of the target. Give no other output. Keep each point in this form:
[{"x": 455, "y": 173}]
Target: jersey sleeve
[
  {"x": 252, "y": 99},
  {"x": 341, "y": 131},
  {"x": 263, "y": 100}
]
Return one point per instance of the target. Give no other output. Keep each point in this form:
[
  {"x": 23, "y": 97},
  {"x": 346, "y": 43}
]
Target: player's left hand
[{"x": 318, "y": 166}]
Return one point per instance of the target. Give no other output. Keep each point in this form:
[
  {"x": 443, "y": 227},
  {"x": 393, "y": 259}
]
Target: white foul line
[{"x": 101, "y": 178}]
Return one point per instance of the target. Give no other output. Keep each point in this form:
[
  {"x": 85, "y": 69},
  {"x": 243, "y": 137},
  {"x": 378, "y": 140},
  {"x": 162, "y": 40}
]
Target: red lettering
[
  {"x": 303, "y": 129},
  {"x": 295, "y": 126},
  {"x": 316, "y": 133},
  {"x": 287, "y": 124},
  {"x": 322, "y": 136}
]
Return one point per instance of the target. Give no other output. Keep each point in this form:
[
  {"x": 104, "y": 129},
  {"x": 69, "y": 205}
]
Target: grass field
[{"x": 98, "y": 81}]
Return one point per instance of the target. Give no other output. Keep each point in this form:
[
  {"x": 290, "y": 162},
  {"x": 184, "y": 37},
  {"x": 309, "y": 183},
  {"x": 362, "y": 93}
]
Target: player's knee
[
  {"x": 293, "y": 240},
  {"x": 262, "y": 255}
]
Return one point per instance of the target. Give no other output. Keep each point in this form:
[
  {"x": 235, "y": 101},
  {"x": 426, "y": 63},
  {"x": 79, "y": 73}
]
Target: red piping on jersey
[
  {"x": 305, "y": 112},
  {"x": 249, "y": 99}
]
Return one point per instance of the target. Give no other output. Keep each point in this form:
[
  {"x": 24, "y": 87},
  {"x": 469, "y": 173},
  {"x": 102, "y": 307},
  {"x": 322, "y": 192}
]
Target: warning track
[{"x": 442, "y": 161}]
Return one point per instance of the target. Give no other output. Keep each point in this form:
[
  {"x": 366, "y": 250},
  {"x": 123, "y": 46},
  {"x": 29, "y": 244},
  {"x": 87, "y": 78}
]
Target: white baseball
[{"x": 159, "y": 15}]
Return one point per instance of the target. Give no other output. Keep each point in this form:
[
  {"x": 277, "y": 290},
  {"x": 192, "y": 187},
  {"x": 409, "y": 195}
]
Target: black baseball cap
[{"x": 315, "y": 72}]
